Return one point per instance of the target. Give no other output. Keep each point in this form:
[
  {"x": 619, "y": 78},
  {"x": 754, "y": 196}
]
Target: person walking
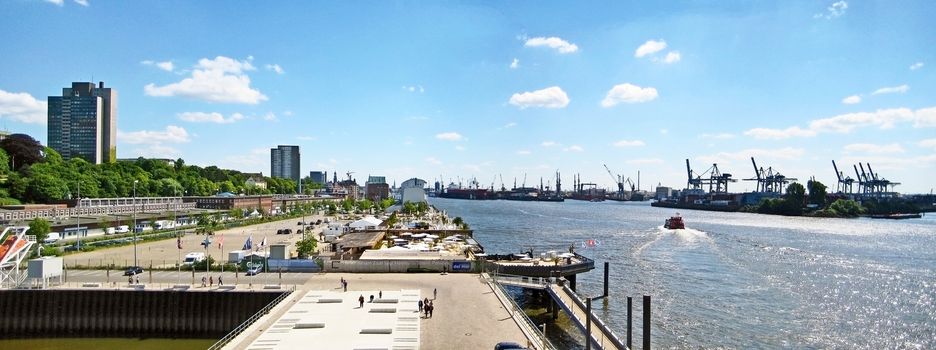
[
  {"x": 204, "y": 281},
  {"x": 130, "y": 280},
  {"x": 361, "y": 301},
  {"x": 137, "y": 279},
  {"x": 220, "y": 283},
  {"x": 435, "y": 293},
  {"x": 380, "y": 294},
  {"x": 431, "y": 308},
  {"x": 345, "y": 286},
  {"x": 211, "y": 281},
  {"x": 420, "y": 306}
]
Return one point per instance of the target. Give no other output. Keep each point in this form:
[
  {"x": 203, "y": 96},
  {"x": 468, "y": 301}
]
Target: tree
[
  {"x": 846, "y": 208},
  {"x": 817, "y": 193},
  {"x": 22, "y": 149},
  {"x": 41, "y": 228},
  {"x": 306, "y": 247}
]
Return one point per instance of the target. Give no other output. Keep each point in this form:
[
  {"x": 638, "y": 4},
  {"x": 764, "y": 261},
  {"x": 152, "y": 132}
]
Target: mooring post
[
  {"x": 646, "y": 322},
  {"x": 605, "y": 280},
  {"x": 629, "y": 327},
  {"x": 588, "y": 323}
]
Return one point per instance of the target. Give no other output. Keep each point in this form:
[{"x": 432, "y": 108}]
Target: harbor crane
[
  {"x": 617, "y": 180},
  {"x": 870, "y": 184},
  {"x": 769, "y": 180},
  {"x": 717, "y": 181},
  {"x": 844, "y": 184}
]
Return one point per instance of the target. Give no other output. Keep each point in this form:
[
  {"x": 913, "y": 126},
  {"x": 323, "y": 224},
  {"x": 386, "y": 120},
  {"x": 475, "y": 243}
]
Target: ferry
[{"x": 674, "y": 223}]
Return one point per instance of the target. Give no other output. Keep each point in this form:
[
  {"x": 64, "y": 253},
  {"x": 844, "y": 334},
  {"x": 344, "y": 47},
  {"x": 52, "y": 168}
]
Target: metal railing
[
  {"x": 244, "y": 325},
  {"x": 526, "y": 324},
  {"x": 607, "y": 333}
]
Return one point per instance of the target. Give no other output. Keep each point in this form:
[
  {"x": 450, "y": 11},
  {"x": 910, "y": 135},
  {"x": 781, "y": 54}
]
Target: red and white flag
[
  {"x": 220, "y": 241},
  {"x": 179, "y": 242}
]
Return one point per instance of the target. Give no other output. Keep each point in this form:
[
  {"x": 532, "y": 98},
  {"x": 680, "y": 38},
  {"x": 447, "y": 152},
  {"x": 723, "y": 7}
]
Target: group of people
[
  {"x": 210, "y": 281},
  {"x": 344, "y": 284},
  {"x": 426, "y": 307}
]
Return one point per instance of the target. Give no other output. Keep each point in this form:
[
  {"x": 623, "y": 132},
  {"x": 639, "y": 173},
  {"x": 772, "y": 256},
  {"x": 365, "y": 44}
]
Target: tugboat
[{"x": 674, "y": 223}]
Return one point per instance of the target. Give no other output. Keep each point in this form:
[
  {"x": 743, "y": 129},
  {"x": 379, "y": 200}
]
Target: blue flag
[
  {"x": 248, "y": 245},
  {"x": 206, "y": 242}
]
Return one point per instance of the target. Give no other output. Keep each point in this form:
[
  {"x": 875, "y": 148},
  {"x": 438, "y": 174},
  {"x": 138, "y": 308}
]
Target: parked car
[
  {"x": 133, "y": 270},
  {"x": 194, "y": 257},
  {"x": 279, "y": 232},
  {"x": 287, "y": 231},
  {"x": 52, "y": 238},
  {"x": 253, "y": 271}
]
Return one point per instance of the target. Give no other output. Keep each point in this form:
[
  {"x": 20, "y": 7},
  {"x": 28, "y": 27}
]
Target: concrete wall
[
  {"x": 396, "y": 266},
  {"x": 97, "y": 313}
]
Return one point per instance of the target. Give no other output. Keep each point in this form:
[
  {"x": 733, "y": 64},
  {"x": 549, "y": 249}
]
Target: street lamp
[{"x": 135, "y": 263}]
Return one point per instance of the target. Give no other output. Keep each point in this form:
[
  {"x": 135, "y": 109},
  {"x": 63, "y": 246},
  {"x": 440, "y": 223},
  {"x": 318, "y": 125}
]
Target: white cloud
[
  {"x": 275, "y": 67},
  {"x": 515, "y": 64},
  {"x": 778, "y": 134},
  {"x": 414, "y": 88},
  {"x": 154, "y": 151},
  {"x": 836, "y": 9},
  {"x": 306, "y": 138},
  {"x": 721, "y": 136},
  {"x": 288, "y": 113},
  {"x": 628, "y": 93},
  {"x": 850, "y": 100},
  {"x": 56, "y": 2},
  {"x": 449, "y": 136},
  {"x": 650, "y": 47},
  {"x": 552, "y": 42},
  {"x": 460, "y": 148},
  {"x": 22, "y": 107},
  {"x": 270, "y": 117},
  {"x": 672, "y": 57},
  {"x": 928, "y": 143},
  {"x": 214, "y": 117},
  {"x": 549, "y": 144},
  {"x": 644, "y": 161},
  {"x": 551, "y": 97},
  {"x": 509, "y": 125},
  {"x": 523, "y": 152},
  {"x": 892, "y": 90},
  {"x": 219, "y": 80},
  {"x": 845, "y": 123},
  {"x": 574, "y": 148},
  {"x": 916, "y": 66},
  {"x": 82, "y": 2},
  {"x": 873, "y": 148},
  {"x": 432, "y": 160},
  {"x": 629, "y": 143},
  {"x": 172, "y": 134}
]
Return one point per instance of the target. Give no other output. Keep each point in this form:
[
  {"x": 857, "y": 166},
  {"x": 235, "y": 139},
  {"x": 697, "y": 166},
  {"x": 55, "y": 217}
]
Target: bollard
[
  {"x": 629, "y": 315},
  {"x": 646, "y": 322}
]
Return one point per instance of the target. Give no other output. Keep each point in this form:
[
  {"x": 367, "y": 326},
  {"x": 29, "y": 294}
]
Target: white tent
[{"x": 368, "y": 222}]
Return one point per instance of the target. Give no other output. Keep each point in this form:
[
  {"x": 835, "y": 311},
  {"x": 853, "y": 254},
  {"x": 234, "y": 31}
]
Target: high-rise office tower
[
  {"x": 284, "y": 162},
  {"x": 83, "y": 123},
  {"x": 318, "y": 177}
]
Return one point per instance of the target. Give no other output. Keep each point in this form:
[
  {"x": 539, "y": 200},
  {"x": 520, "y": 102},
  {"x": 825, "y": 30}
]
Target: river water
[{"x": 733, "y": 280}]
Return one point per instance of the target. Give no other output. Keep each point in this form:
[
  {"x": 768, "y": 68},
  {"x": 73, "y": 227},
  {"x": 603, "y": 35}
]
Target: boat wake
[{"x": 685, "y": 234}]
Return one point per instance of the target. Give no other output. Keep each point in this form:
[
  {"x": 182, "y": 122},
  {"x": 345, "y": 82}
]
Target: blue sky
[{"x": 480, "y": 89}]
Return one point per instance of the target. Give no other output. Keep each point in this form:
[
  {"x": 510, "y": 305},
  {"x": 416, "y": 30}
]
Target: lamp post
[
  {"x": 78, "y": 218},
  {"x": 135, "y": 263}
]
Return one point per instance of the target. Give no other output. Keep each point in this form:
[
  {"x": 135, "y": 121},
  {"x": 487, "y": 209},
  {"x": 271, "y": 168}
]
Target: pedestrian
[
  {"x": 371, "y": 298},
  {"x": 431, "y": 308},
  {"x": 380, "y": 295},
  {"x": 204, "y": 281},
  {"x": 137, "y": 279},
  {"x": 435, "y": 293},
  {"x": 220, "y": 283},
  {"x": 345, "y": 286},
  {"x": 361, "y": 300},
  {"x": 130, "y": 280},
  {"x": 426, "y": 311},
  {"x": 420, "y": 306},
  {"x": 211, "y": 281}
]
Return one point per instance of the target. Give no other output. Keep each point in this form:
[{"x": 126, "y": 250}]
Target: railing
[
  {"x": 529, "y": 328},
  {"x": 605, "y": 330},
  {"x": 243, "y": 326}
]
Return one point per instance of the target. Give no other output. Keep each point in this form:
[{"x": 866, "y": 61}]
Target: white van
[
  {"x": 123, "y": 229},
  {"x": 193, "y": 257},
  {"x": 110, "y": 231},
  {"x": 52, "y": 238}
]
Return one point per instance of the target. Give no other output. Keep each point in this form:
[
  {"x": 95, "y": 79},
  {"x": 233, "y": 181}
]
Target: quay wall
[{"x": 126, "y": 314}]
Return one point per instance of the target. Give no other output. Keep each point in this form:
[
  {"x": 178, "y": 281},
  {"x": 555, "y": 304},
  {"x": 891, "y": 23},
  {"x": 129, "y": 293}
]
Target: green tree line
[{"x": 31, "y": 173}]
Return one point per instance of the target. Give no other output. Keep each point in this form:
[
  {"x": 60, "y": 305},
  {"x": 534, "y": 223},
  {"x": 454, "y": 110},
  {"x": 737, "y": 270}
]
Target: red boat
[{"x": 674, "y": 223}]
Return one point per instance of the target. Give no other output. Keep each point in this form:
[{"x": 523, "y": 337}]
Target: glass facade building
[
  {"x": 284, "y": 162},
  {"x": 83, "y": 123}
]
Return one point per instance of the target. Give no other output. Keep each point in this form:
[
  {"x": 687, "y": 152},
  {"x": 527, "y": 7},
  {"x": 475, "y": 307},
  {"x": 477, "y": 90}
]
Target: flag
[
  {"x": 262, "y": 243},
  {"x": 248, "y": 244},
  {"x": 179, "y": 242},
  {"x": 220, "y": 241},
  {"x": 206, "y": 242}
]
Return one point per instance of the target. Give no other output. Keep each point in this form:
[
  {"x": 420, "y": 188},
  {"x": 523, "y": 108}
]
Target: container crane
[{"x": 617, "y": 181}]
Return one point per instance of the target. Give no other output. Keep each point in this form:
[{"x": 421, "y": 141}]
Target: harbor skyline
[{"x": 480, "y": 90}]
